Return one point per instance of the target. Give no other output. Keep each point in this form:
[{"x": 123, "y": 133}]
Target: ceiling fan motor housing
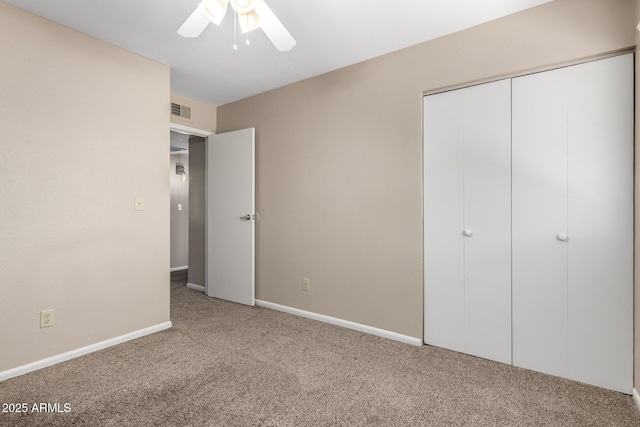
[{"x": 242, "y": 6}]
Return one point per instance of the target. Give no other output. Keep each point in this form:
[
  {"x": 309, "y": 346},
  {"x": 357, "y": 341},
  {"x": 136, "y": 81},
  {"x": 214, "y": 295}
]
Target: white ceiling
[{"x": 330, "y": 34}]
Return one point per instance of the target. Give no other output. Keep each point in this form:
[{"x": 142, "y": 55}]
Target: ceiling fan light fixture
[
  {"x": 242, "y": 6},
  {"x": 254, "y": 14},
  {"x": 248, "y": 21},
  {"x": 214, "y": 10}
]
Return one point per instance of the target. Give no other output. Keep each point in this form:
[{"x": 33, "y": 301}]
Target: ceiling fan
[{"x": 251, "y": 14}]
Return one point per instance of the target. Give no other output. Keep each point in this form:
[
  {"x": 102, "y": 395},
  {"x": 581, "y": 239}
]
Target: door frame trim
[{"x": 189, "y": 130}]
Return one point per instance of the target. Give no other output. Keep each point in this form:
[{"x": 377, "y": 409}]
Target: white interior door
[
  {"x": 487, "y": 216},
  {"x": 600, "y": 258},
  {"x": 230, "y": 224},
  {"x": 443, "y": 221},
  {"x": 467, "y": 220},
  {"x": 573, "y": 222},
  {"x": 539, "y": 220}
]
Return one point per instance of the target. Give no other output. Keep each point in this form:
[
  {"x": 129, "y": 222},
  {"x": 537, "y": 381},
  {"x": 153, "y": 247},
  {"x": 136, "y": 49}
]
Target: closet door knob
[
  {"x": 468, "y": 233},
  {"x": 562, "y": 237}
]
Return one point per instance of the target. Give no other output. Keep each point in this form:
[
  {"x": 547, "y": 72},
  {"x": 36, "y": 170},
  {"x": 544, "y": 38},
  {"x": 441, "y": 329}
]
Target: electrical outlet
[
  {"x": 46, "y": 318},
  {"x": 305, "y": 284}
]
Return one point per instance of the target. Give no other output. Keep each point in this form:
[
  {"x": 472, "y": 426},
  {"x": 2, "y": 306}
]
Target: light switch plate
[{"x": 139, "y": 205}]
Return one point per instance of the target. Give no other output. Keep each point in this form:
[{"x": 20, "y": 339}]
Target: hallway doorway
[{"x": 187, "y": 208}]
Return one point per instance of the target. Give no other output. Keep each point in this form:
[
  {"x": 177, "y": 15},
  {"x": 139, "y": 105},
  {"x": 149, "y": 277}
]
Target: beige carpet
[{"x": 223, "y": 364}]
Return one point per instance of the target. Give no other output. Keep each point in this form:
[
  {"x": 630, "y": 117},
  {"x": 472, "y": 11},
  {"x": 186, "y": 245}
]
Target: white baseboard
[
  {"x": 344, "y": 323},
  {"x": 195, "y": 287},
  {"x": 636, "y": 398},
  {"x": 25, "y": 369},
  {"x": 184, "y": 267}
]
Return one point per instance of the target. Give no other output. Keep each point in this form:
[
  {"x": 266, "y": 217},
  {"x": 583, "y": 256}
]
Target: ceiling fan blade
[
  {"x": 273, "y": 28},
  {"x": 195, "y": 24}
]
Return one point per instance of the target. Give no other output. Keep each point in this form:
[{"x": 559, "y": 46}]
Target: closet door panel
[
  {"x": 600, "y": 257},
  {"x": 467, "y": 173},
  {"x": 487, "y": 214},
  {"x": 539, "y": 220},
  {"x": 443, "y": 222}
]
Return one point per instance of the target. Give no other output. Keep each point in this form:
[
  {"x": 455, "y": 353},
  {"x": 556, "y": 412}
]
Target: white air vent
[
  {"x": 180, "y": 111},
  {"x": 174, "y": 149}
]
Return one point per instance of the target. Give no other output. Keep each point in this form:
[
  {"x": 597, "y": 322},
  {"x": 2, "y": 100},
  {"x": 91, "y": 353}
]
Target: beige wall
[
  {"x": 83, "y": 132},
  {"x": 179, "y": 218},
  {"x": 203, "y": 116},
  {"x": 339, "y": 169}
]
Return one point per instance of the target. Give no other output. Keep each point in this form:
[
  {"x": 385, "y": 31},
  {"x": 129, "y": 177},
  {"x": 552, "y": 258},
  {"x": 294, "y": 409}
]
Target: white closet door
[
  {"x": 468, "y": 190},
  {"x": 573, "y": 175},
  {"x": 444, "y": 315},
  {"x": 600, "y": 258},
  {"x": 539, "y": 219},
  {"x": 487, "y": 215}
]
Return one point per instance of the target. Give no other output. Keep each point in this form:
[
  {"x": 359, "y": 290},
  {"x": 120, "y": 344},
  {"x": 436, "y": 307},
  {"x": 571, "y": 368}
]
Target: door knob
[
  {"x": 468, "y": 233},
  {"x": 562, "y": 237},
  {"x": 245, "y": 218}
]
